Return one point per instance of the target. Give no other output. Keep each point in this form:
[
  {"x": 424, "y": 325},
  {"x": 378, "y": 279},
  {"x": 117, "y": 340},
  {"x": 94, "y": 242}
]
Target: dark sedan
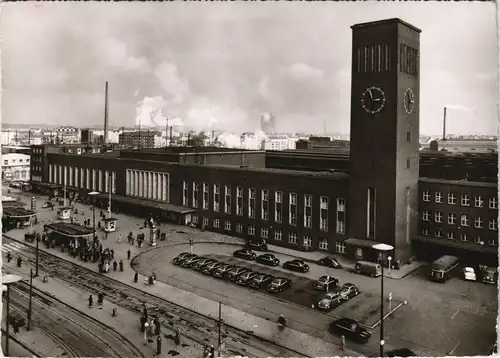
[
  {"x": 349, "y": 290},
  {"x": 190, "y": 261},
  {"x": 181, "y": 257},
  {"x": 350, "y": 329},
  {"x": 245, "y": 254},
  {"x": 211, "y": 267},
  {"x": 401, "y": 352},
  {"x": 296, "y": 265},
  {"x": 260, "y": 281},
  {"x": 329, "y": 262},
  {"x": 256, "y": 245},
  {"x": 233, "y": 274},
  {"x": 198, "y": 266},
  {"x": 220, "y": 271},
  {"x": 279, "y": 284},
  {"x": 325, "y": 283},
  {"x": 47, "y": 204},
  {"x": 245, "y": 277},
  {"x": 268, "y": 259}
]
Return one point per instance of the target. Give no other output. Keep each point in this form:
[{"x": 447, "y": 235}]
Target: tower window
[
  {"x": 387, "y": 62},
  {"x": 379, "y": 58},
  {"x": 408, "y": 136},
  {"x": 365, "y": 59},
  {"x": 372, "y": 58},
  {"x": 407, "y": 163},
  {"x": 359, "y": 60}
]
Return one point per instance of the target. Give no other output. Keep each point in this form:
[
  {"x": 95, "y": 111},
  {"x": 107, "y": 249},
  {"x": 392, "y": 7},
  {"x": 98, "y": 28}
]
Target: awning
[
  {"x": 360, "y": 242},
  {"x": 14, "y": 212},
  {"x": 147, "y": 203},
  {"x": 69, "y": 229},
  {"x": 457, "y": 244}
]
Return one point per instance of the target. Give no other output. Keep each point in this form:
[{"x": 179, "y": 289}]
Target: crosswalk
[{"x": 12, "y": 246}]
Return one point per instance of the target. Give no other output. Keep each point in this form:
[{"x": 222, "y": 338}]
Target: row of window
[
  {"x": 265, "y": 233},
  {"x": 464, "y": 219},
  {"x": 264, "y": 205},
  {"x": 408, "y": 60},
  {"x": 465, "y": 237},
  {"x": 374, "y": 58},
  {"x": 82, "y": 178},
  {"x": 465, "y": 199},
  {"x": 147, "y": 184},
  {"x": 6, "y": 162}
]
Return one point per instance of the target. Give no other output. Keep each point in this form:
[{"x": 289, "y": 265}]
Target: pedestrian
[
  {"x": 146, "y": 325},
  {"x": 91, "y": 301},
  {"x": 158, "y": 345},
  {"x": 342, "y": 342},
  {"x": 9, "y": 257},
  {"x": 128, "y": 254},
  {"x": 136, "y": 277},
  {"x": 112, "y": 253},
  {"x": 121, "y": 265},
  {"x": 114, "y": 265},
  {"x": 177, "y": 337},
  {"x": 157, "y": 326},
  {"x": 120, "y": 238},
  {"x": 100, "y": 266},
  {"x": 19, "y": 262},
  {"x": 106, "y": 267},
  {"x": 100, "y": 298}
]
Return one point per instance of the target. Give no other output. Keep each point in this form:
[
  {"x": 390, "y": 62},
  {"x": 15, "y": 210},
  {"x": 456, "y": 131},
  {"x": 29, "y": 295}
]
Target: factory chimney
[
  {"x": 105, "y": 137},
  {"x": 444, "y": 124}
]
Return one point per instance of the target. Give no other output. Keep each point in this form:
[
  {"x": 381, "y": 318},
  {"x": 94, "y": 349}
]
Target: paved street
[{"x": 427, "y": 325}]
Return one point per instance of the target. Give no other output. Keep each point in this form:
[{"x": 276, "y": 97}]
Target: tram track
[
  {"x": 76, "y": 333},
  {"x": 196, "y": 327}
]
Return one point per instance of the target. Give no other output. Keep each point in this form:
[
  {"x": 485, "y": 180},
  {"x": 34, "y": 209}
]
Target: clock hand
[{"x": 370, "y": 93}]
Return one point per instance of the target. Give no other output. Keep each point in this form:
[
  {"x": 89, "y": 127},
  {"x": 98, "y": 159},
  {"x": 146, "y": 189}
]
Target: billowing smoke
[
  {"x": 266, "y": 117},
  {"x": 229, "y": 140}
]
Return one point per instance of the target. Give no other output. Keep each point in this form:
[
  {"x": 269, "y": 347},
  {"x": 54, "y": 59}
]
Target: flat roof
[
  {"x": 69, "y": 229},
  {"x": 149, "y": 203},
  {"x": 394, "y": 20},
  {"x": 17, "y": 212},
  {"x": 12, "y": 204},
  {"x": 459, "y": 182}
]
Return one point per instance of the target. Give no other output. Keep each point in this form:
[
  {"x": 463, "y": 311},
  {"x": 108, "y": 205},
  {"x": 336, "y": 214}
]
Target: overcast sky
[{"x": 221, "y": 65}]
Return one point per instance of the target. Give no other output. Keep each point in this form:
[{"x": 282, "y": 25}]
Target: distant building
[
  {"x": 322, "y": 143},
  {"x": 141, "y": 139},
  {"x": 15, "y": 166},
  {"x": 278, "y": 142}
]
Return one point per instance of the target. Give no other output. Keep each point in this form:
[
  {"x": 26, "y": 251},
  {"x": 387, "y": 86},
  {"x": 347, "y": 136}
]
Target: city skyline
[{"x": 241, "y": 60}]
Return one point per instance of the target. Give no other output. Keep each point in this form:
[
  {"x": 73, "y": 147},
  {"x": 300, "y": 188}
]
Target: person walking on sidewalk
[
  {"x": 114, "y": 265},
  {"x": 121, "y": 265},
  {"x": 120, "y": 238},
  {"x": 91, "y": 301},
  {"x": 128, "y": 254},
  {"x": 136, "y": 277}
]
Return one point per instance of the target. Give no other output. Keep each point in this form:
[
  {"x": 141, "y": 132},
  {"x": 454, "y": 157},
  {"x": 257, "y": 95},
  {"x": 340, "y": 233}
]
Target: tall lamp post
[
  {"x": 8, "y": 280},
  {"x": 382, "y": 249},
  {"x": 93, "y": 195}
]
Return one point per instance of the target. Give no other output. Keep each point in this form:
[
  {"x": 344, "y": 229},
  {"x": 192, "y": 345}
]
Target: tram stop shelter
[
  {"x": 64, "y": 233},
  {"x": 110, "y": 224},
  {"x": 12, "y": 204},
  {"x": 17, "y": 217},
  {"x": 64, "y": 213}
]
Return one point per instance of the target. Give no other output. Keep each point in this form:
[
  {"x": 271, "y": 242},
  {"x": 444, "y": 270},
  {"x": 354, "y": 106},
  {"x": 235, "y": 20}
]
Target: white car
[{"x": 469, "y": 274}]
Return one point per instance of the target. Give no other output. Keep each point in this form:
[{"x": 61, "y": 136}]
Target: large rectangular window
[
  {"x": 370, "y": 213},
  {"x": 251, "y": 203},
  {"x": 278, "y": 206},
  {"x": 323, "y": 214},
  {"x": 308, "y": 211},
  {"x": 195, "y": 194},
  {"x": 239, "y": 201},
  {"x": 216, "y": 197},
  {"x": 205, "y": 196},
  {"x": 227, "y": 202},
  {"x": 340, "y": 216},
  {"x": 265, "y": 204},
  {"x": 292, "y": 209},
  {"x": 185, "y": 193}
]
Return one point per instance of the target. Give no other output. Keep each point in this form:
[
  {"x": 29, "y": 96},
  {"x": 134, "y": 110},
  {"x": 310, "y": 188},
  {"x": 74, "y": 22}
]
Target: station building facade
[{"x": 375, "y": 194}]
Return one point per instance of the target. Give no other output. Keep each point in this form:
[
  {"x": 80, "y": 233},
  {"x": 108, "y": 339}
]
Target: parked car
[
  {"x": 48, "y": 204},
  {"x": 488, "y": 274},
  {"x": 330, "y": 299},
  {"x": 401, "y": 352},
  {"x": 198, "y": 266},
  {"x": 296, "y": 265},
  {"x": 368, "y": 268},
  {"x": 349, "y": 290},
  {"x": 190, "y": 261},
  {"x": 268, "y": 259},
  {"x": 279, "y": 284},
  {"x": 182, "y": 256},
  {"x": 245, "y": 277},
  {"x": 220, "y": 271},
  {"x": 233, "y": 274},
  {"x": 259, "y": 245},
  {"x": 329, "y": 262},
  {"x": 210, "y": 268},
  {"x": 350, "y": 329},
  {"x": 260, "y": 280},
  {"x": 245, "y": 254},
  {"x": 469, "y": 274},
  {"x": 326, "y": 282}
]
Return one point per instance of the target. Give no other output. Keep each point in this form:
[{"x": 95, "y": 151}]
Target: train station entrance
[{"x": 16, "y": 218}]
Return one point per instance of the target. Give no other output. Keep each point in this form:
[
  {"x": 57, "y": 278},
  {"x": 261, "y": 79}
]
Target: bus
[{"x": 442, "y": 269}]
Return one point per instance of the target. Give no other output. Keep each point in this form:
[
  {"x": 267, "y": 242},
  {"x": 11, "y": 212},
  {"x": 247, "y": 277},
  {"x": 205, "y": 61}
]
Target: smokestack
[
  {"x": 444, "y": 124},
  {"x": 166, "y": 134},
  {"x": 105, "y": 137},
  {"x": 170, "y": 141},
  {"x": 213, "y": 138}
]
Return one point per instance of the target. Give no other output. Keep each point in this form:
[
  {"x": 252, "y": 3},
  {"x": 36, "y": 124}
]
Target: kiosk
[
  {"x": 65, "y": 213},
  {"x": 152, "y": 236},
  {"x": 110, "y": 224}
]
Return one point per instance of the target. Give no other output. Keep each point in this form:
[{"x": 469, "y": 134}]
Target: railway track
[
  {"x": 195, "y": 326},
  {"x": 77, "y": 334}
]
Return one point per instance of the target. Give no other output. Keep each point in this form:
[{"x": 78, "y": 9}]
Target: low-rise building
[
  {"x": 139, "y": 139},
  {"x": 15, "y": 166}
]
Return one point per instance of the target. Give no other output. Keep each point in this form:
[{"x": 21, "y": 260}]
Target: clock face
[
  {"x": 409, "y": 101},
  {"x": 373, "y": 100}
]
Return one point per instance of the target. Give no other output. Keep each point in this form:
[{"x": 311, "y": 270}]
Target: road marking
[
  {"x": 420, "y": 301},
  {"x": 454, "y": 314},
  {"x": 11, "y": 247},
  {"x": 452, "y": 352}
]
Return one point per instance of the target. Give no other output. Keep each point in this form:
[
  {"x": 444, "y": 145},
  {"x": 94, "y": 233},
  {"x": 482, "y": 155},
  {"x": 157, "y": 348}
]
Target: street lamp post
[
  {"x": 382, "y": 248},
  {"x": 93, "y": 194},
  {"x": 8, "y": 280}
]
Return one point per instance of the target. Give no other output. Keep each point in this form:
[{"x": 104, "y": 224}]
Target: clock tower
[{"x": 384, "y": 172}]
